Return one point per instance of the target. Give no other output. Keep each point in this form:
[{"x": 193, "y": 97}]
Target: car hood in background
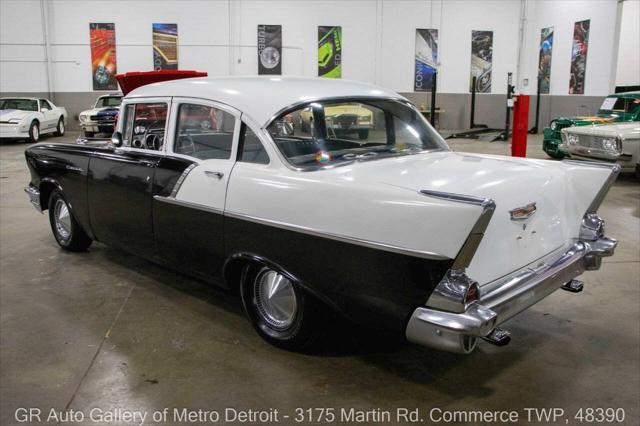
[{"x": 8, "y": 114}]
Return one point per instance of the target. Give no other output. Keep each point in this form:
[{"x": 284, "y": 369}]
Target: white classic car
[
  {"x": 394, "y": 231},
  {"x": 612, "y": 143},
  {"x": 28, "y": 118},
  {"x": 101, "y": 118}
]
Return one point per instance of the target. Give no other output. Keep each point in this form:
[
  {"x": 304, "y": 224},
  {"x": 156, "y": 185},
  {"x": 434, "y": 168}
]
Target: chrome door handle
[{"x": 218, "y": 175}]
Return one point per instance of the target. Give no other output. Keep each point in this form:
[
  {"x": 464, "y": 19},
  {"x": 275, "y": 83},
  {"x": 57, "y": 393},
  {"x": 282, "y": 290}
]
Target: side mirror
[{"x": 116, "y": 139}]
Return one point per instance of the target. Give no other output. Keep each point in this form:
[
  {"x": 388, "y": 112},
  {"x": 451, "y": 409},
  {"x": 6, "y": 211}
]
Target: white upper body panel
[{"x": 261, "y": 97}]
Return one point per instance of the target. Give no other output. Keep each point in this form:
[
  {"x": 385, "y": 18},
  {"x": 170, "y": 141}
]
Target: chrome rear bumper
[{"x": 458, "y": 331}]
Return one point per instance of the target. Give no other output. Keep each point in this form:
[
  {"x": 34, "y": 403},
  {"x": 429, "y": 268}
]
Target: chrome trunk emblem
[{"x": 524, "y": 212}]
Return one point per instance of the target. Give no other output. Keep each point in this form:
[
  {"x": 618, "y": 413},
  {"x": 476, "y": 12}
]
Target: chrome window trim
[{"x": 337, "y": 237}]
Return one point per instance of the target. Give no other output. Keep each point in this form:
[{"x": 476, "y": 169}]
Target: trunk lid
[{"x": 511, "y": 183}]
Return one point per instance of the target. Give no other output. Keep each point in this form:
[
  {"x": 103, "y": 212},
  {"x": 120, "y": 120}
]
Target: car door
[
  {"x": 121, "y": 179},
  {"x": 50, "y": 117},
  {"x": 188, "y": 215}
]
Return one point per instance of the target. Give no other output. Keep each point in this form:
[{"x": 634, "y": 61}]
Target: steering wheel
[
  {"x": 186, "y": 144},
  {"x": 153, "y": 141}
]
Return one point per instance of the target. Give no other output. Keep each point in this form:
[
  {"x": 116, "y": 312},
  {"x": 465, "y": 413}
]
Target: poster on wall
[
  {"x": 165, "y": 46},
  {"x": 269, "y": 49},
  {"x": 103, "y": 56},
  {"x": 426, "y": 59},
  {"x": 544, "y": 63},
  {"x": 330, "y": 52},
  {"x": 579, "y": 57},
  {"x": 481, "y": 58}
]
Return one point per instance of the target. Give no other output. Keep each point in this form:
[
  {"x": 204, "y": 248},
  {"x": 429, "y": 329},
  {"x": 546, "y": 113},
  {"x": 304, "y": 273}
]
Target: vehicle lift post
[
  {"x": 510, "y": 89},
  {"x": 520, "y": 125},
  {"x": 534, "y": 129},
  {"x": 432, "y": 115}
]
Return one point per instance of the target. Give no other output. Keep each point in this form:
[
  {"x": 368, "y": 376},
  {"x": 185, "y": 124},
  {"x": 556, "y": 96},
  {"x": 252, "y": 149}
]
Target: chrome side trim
[
  {"x": 189, "y": 204},
  {"x": 468, "y": 249},
  {"x": 338, "y": 237},
  {"x": 181, "y": 179}
]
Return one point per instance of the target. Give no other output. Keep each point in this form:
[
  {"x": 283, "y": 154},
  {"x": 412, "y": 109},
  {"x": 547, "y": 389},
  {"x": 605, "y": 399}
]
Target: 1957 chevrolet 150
[{"x": 393, "y": 230}]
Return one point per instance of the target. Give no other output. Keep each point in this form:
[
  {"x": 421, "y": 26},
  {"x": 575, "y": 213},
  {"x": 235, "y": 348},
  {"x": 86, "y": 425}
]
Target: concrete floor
[{"x": 107, "y": 330}]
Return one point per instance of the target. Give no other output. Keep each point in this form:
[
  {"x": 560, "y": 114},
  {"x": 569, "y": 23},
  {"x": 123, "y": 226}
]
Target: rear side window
[
  {"x": 204, "y": 132},
  {"x": 252, "y": 150},
  {"x": 44, "y": 105}
]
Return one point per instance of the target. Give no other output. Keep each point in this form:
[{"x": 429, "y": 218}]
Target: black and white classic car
[{"x": 392, "y": 230}]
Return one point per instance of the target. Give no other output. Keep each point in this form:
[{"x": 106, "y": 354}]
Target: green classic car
[{"x": 615, "y": 108}]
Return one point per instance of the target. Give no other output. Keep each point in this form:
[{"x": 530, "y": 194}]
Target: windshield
[
  {"x": 335, "y": 132},
  {"x": 22, "y": 104},
  {"x": 610, "y": 105},
  {"x": 108, "y": 101}
]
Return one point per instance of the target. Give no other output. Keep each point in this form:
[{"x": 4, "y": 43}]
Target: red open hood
[{"x": 134, "y": 79}]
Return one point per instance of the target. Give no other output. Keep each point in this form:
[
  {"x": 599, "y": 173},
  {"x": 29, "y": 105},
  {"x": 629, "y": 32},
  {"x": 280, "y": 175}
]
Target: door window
[
  {"x": 204, "y": 132},
  {"x": 44, "y": 105},
  {"x": 144, "y": 126},
  {"x": 252, "y": 150}
]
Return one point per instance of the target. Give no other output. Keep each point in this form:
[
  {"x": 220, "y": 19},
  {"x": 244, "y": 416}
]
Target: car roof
[
  {"x": 22, "y": 97},
  {"x": 261, "y": 97}
]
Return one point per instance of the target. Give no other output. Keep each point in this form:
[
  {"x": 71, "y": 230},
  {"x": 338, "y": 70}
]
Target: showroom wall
[{"x": 378, "y": 45}]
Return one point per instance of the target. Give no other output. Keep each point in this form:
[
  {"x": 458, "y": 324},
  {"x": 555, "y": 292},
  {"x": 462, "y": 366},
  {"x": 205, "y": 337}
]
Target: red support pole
[{"x": 520, "y": 126}]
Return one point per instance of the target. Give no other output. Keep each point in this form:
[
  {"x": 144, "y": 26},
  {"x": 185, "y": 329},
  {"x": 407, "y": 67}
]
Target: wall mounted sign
[
  {"x": 103, "y": 56},
  {"x": 165, "y": 46},
  {"x": 269, "y": 49},
  {"x": 330, "y": 52},
  {"x": 544, "y": 63},
  {"x": 426, "y": 59},
  {"x": 579, "y": 57},
  {"x": 481, "y": 60}
]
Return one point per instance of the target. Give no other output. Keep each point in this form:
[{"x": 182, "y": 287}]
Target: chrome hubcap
[
  {"x": 62, "y": 219},
  {"x": 62, "y": 127},
  {"x": 275, "y": 299},
  {"x": 36, "y": 132}
]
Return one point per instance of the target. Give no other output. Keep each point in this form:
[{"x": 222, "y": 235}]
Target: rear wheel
[
  {"x": 280, "y": 311},
  {"x": 68, "y": 233},
  {"x": 60, "y": 129},
  {"x": 34, "y": 132}
]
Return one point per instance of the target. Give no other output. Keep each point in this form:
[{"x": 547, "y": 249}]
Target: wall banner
[
  {"x": 481, "y": 59},
  {"x": 269, "y": 49},
  {"x": 426, "y": 59},
  {"x": 579, "y": 57},
  {"x": 544, "y": 63},
  {"x": 103, "y": 56},
  {"x": 165, "y": 46},
  {"x": 330, "y": 52}
]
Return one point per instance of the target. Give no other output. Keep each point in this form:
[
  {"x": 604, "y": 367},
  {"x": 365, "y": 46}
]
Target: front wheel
[
  {"x": 34, "y": 132},
  {"x": 68, "y": 233},
  {"x": 60, "y": 128},
  {"x": 280, "y": 311}
]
